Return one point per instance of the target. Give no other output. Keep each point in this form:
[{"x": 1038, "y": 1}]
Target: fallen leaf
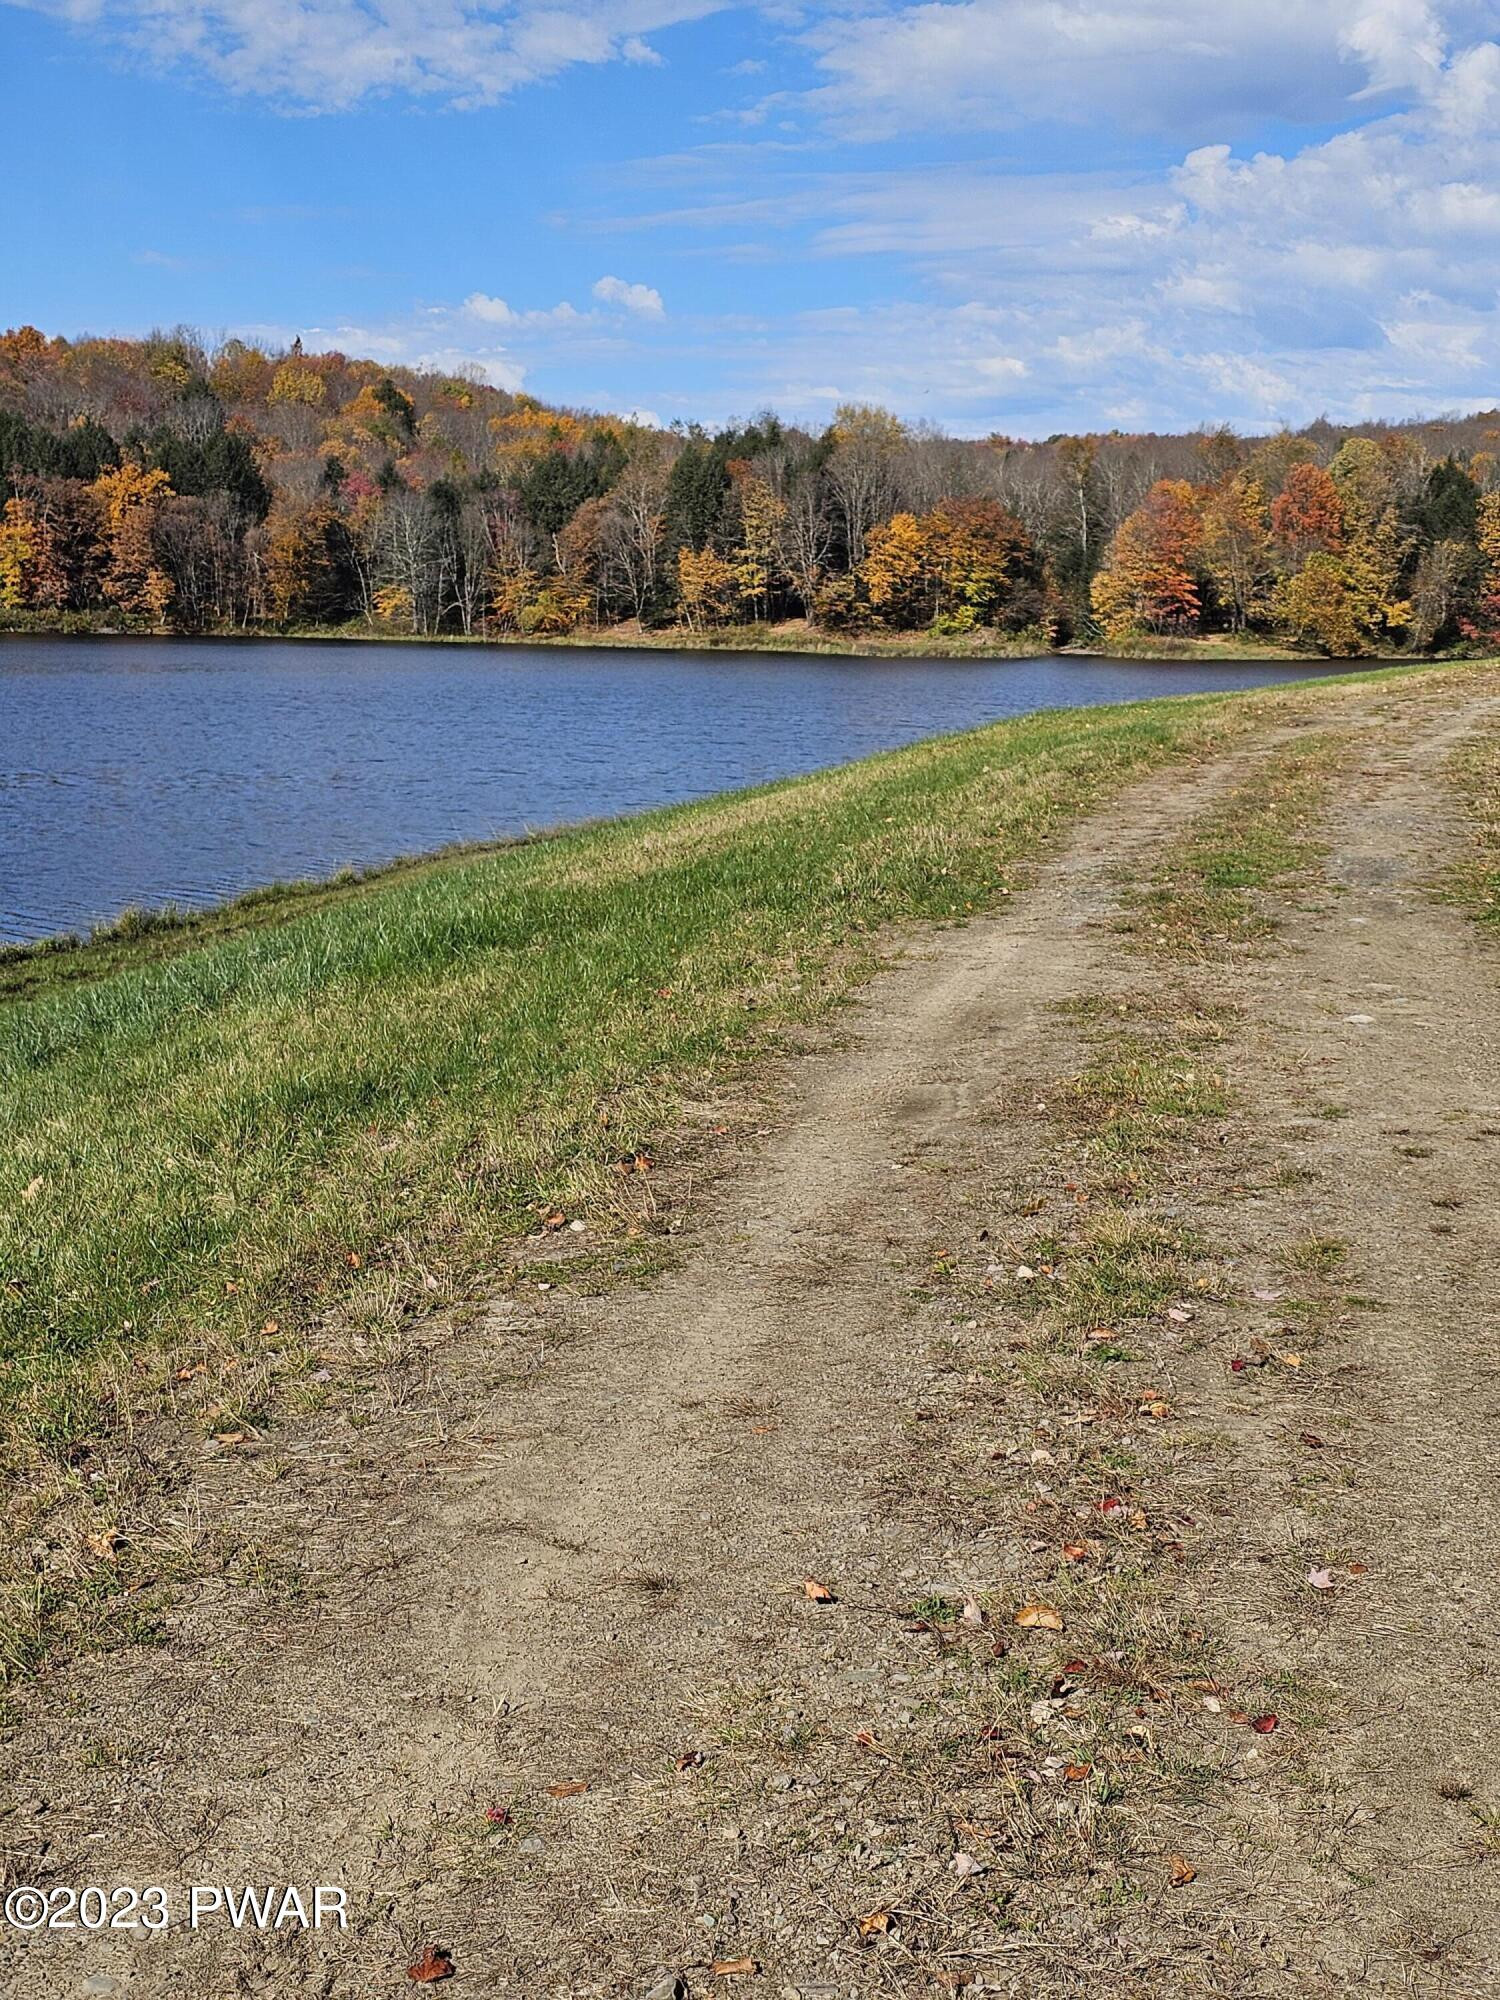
[
  {"x": 230, "y": 1437},
  {"x": 876, "y": 1924},
  {"x": 973, "y": 1612},
  {"x": 1212, "y": 1703},
  {"x": 689, "y": 1760},
  {"x": 1313, "y": 1441},
  {"x": 964, "y": 1866},
  {"x": 107, "y": 1544},
  {"x": 817, "y": 1593},
  {"x": 734, "y": 1968},
  {"x": 1076, "y": 1773},
  {"x": 1290, "y": 1360},
  {"x": 1155, "y": 1407},
  {"x": 1267, "y": 1298},
  {"x": 1264, "y": 1724},
  {"x": 568, "y": 1789},
  {"x": 1181, "y": 1870},
  {"x": 1179, "y": 1315},
  {"x": 434, "y": 1964},
  {"x": 1239, "y": 1364},
  {"x": 354, "y": 1260},
  {"x": 1076, "y": 1552},
  {"x": 1040, "y": 1617},
  {"x": 497, "y": 1815},
  {"x": 1112, "y": 1506},
  {"x": 556, "y": 1220},
  {"x": 1320, "y": 1579},
  {"x": 1359, "y": 1569}
]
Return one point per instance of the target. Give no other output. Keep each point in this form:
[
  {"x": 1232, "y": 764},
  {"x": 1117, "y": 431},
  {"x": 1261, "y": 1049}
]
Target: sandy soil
[{"x": 569, "y": 1548}]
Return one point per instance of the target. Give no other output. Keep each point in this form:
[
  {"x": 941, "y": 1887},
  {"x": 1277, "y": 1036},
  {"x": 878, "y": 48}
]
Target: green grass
[{"x": 1211, "y": 894}]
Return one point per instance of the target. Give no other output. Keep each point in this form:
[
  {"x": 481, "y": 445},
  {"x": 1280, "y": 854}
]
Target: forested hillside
[{"x": 164, "y": 483}]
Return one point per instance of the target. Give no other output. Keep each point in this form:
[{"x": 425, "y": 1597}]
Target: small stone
[
  {"x": 667, "y": 1987},
  {"x": 532, "y": 1844}
]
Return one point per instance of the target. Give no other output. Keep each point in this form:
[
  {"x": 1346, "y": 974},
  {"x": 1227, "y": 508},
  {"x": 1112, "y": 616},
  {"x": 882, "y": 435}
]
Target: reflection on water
[{"x": 151, "y": 770}]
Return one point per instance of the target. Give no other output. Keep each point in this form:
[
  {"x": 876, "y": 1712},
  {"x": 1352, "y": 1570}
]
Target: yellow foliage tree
[
  {"x": 20, "y": 546},
  {"x": 295, "y": 382},
  {"x": 707, "y": 588},
  {"x": 757, "y": 560},
  {"x": 129, "y": 497}
]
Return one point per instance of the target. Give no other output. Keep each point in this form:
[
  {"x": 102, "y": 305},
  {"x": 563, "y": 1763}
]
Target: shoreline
[{"x": 792, "y": 640}]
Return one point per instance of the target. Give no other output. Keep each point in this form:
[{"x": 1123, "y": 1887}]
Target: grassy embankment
[{"x": 229, "y": 1149}]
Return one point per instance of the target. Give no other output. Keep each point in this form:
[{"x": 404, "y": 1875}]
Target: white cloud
[
  {"x": 495, "y": 312},
  {"x": 639, "y": 299},
  {"x": 330, "y": 54},
  {"x": 1177, "y": 65}
]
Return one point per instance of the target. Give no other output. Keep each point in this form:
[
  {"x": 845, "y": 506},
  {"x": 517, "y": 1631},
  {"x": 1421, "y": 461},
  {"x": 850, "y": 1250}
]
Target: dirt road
[{"x": 529, "y": 1659}]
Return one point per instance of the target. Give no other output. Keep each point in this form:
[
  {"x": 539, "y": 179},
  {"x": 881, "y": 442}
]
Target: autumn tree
[
  {"x": 1150, "y": 582},
  {"x": 1484, "y": 622},
  {"x": 130, "y": 497},
  {"x": 862, "y": 468},
  {"x": 310, "y": 572},
  {"x": 1340, "y": 603},
  {"x": 707, "y": 588},
  {"x": 1307, "y": 515},
  {"x": 20, "y": 545},
  {"x": 1236, "y": 550},
  {"x": 757, "y": 555}
]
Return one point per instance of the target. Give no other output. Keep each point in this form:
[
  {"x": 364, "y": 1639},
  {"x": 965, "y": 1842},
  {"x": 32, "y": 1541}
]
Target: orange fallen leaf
[
  {"x": 568, "y": 1789},
  {"x": 1076, "y": 1552},
  {"x": 556, "y": 1220},
  {"x": 354, "y": 1260},
  {"x": 689, "y": 1760},
  {"x": 1040, "y": 1617},
  {"x": 1182, "y": 1870},
  {"x": 734, "y": 1968},
  {"x": 230, "y": 1437},
  {"x": 435, "y": 1963},
  {"x": 1076, "y": 1773},
  {"x": 876, "y": 1924},
  {"x": 817, "y": 1593},
  {"x": 107, "y": 1544}
]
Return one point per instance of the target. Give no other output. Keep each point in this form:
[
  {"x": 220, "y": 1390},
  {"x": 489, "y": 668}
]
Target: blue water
[{"x": 152, "y": 770}]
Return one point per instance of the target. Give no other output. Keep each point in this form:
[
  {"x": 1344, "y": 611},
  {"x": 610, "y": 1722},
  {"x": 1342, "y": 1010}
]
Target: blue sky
[{"x": 1014, "y": 215}]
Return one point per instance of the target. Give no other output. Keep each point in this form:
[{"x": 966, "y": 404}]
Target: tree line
[{"x": 161, "y": 483}]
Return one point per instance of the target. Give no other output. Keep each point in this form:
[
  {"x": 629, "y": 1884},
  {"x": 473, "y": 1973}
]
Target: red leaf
[
  {"x": 434, "y": 1964},
  {"x": 1264, "y": 1724}
]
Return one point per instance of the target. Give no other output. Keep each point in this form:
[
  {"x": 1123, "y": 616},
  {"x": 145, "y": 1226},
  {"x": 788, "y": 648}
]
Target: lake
[{"x": 143, "y": 771}]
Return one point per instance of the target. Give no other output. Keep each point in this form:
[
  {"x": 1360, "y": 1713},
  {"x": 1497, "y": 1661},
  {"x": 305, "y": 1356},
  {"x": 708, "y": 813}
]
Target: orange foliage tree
[
  {"x": 1150, "y": 582},
  {"x": 1307, "y": 515}
]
